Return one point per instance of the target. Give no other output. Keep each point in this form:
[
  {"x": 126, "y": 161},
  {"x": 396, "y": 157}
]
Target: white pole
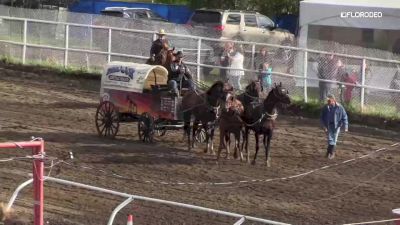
[
  {"x": 198, "y": 58},
  {"x": 16, "y": 192},
  {"x": 66, "y": 45},
  {"x": 253, "y": 53},
  {"x": 362, "y": 84},
  {"x": 109, "y": 44},
  {"x": 24, "y": 41},
  {"x": 240, "y": 222},
  {"x": 117, "y": 209},
  {"x": 137, "y": 197},
  {"x": 305, "y": 67}
]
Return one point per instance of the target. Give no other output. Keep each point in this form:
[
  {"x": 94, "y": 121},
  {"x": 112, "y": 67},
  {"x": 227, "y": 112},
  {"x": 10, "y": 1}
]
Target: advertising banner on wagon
[{"x": 125, "y": 76}]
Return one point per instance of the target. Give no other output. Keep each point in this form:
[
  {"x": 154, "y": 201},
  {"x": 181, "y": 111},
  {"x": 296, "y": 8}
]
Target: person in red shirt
[{"x": 351, "y": 79}]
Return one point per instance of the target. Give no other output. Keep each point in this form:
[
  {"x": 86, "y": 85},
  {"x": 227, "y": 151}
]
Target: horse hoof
[
  {"x": 253, "y": 162},
  {"x": 268, "y": 164}
]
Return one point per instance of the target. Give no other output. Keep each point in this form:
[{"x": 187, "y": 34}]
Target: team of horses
[{"x": 235, "y": 115}]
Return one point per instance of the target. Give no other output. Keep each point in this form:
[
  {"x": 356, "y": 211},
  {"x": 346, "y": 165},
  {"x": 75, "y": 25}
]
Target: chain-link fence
[{"x": 361, "y": 78}]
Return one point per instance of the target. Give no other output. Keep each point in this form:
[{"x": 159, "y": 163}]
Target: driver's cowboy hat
[
  {"x": 179, "y": 55},
  {"x": 161, "y": 32}
]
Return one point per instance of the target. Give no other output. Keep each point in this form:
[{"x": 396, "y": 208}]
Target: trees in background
[
  {"x": 35, "y": 4},
  {"x": 266, "y": 7}
]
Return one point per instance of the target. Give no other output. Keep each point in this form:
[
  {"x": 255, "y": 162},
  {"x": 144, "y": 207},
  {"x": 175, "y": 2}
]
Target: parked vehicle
[
  {"x": 132, "y": 13},
  {"x": 242, "y": 26},
  {"x": 238, "y": 25}
]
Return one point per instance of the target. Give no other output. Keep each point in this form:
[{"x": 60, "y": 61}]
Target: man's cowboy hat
[
  {"x": 179, "y": 55},
  {"x": 161, "y": 32},
  {"x": 330, "y": 96}
]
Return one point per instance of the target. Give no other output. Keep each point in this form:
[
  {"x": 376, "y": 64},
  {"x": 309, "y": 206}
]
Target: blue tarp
[
  {"x": 174, "y": 13},
  {"x": 288, "y": 22}
]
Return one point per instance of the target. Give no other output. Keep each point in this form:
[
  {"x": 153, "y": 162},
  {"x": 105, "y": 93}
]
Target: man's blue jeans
[
  {"x": 173, "y": 84},
  {"x": 333, "y": 134}
]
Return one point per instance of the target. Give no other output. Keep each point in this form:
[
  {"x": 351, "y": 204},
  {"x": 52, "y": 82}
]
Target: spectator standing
[
  {"x": 262, "y": 60},
  {"x": 225, "y": 62},
  {"x": 328, "y": 67},
  {"x": 395, "y": 84},
  {"x": 262, "y": 63},
  {"x": 351, "y": 79},
  {"x": 236, "y": 72}
]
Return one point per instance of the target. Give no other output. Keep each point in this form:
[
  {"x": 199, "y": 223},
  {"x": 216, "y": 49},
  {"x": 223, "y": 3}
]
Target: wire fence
[{"x": 363, "y": 79}]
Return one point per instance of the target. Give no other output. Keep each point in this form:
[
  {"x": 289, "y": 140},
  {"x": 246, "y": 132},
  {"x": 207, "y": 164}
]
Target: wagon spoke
[
  {"x": 112, "y": 130},
  {"x": 101, "y": 112},
  {"x": 102, "y": 130},
  {"x": 101, "y": 125}
]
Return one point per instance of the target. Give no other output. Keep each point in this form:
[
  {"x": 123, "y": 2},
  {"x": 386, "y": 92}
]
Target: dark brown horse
[
  {"x": 230, "y": 122},
  {"x": 204, "y": 107},
  {"x": 261, "y": 120},
  {"x": 164, "y": 58},
  {"x": 250, "y": 99}
]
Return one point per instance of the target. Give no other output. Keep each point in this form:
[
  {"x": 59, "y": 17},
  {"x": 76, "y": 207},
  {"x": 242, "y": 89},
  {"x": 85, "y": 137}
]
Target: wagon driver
[
  {"x": 333, "y": 117},
  {"x": 179, "y": 73},
  {"x": 159, "y": 44}
]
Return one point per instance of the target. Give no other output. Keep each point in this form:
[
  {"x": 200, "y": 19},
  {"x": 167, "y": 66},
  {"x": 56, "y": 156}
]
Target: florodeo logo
[
  {"x": 361, "y": 15},
  {"x": 129, "y": 72}
]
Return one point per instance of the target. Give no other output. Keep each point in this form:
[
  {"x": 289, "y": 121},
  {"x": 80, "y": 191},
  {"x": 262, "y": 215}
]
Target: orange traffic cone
[{"x": 130, "y": 220}]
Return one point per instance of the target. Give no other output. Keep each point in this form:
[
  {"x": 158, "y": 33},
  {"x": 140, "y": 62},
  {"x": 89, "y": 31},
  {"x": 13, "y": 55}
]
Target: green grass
[
  {"x": 313, "y": 109},
  {"x": 71, "y": 71}
]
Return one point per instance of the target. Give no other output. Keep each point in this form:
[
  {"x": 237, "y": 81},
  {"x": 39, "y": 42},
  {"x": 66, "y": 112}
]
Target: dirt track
[{"x": 62, "y": 112}]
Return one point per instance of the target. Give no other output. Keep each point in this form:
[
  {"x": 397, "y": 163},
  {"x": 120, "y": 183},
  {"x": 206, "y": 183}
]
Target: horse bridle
[{"x": 277, "y": 96}]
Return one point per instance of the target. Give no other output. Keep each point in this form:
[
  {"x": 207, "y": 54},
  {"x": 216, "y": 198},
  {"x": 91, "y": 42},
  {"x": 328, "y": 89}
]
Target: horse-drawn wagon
[{"x": 132, "y": 92}]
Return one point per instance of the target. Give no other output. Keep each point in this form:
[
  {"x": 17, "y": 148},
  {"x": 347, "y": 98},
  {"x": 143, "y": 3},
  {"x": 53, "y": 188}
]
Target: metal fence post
[
  {"x": 66, "y": 45},
  {"x": 305, "y": 68},
  {"x": 362, "y": 84},
  {"x": 198, "y": 58},
  {"x": 24, "y": 41},
  {"x": 38, "y": 171},
  {"x": 253, "y": 53},
  {"x": 109, "y": 44}
]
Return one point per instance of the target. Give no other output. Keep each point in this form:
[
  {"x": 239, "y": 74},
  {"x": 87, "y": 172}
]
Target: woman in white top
[{"x": 236, "y": 72}]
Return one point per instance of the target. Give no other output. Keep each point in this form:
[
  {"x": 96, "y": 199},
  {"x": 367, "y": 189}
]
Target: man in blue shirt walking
[{"x": 333, "y": 117}]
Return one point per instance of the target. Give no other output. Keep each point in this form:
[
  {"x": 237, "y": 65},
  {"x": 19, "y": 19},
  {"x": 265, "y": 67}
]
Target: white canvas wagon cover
[{"x": 132, "y": 77}]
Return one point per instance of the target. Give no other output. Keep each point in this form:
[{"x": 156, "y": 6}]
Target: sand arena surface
[{"x": 62, "y": 111}]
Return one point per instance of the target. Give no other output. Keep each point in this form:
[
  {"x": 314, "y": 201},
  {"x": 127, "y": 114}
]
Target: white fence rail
[
  {"x": 303, "y": 73},
  {"x": 129, "y": 198}
]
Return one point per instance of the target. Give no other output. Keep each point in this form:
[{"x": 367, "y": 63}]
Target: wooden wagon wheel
[
  {"x": 146, "y": 127},
  {"x": 107, "y": 119}
]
